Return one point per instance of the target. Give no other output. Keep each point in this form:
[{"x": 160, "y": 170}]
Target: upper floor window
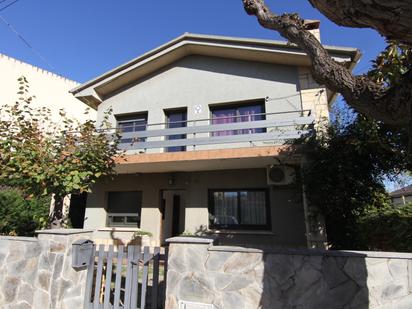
[
  {"x": 124, "y": 208},
  {"x": 238, "y": 113},
  {"x": 176, "y": 118},
  {"x": 132, "y": 123}
]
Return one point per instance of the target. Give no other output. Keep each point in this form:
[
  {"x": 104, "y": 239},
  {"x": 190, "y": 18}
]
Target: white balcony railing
[{"x": 280, "y": 126}]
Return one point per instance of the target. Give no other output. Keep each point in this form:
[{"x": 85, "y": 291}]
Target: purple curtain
[
  {"x": 251, "y": 113},
  {"x": 239, "y": 114},
  {"x": 223, "y": 116}
]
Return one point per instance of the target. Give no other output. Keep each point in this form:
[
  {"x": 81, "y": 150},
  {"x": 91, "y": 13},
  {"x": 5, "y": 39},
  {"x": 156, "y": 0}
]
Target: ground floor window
[
  {"x": 239, "y": 209},
  {"x": 124, "y": 208}
]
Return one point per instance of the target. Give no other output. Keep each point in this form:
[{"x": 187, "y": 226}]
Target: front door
[{"x": 173, "y": 219}]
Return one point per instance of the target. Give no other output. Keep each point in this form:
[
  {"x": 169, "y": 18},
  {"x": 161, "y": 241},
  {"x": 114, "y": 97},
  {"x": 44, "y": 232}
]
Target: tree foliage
[
  {"x": 42, "y": 157},
  {"x": 347, "y": 164},
  {"x": 20, "y": 216},
  {"x": 391, "y": 65}
]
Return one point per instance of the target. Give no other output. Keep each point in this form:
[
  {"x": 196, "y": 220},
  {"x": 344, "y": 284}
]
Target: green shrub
[
  {"x": 387, "y": 229},
  {"x": 20, "y": 216}
]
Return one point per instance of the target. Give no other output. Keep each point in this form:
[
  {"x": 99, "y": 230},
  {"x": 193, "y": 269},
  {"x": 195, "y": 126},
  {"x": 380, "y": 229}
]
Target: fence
[{"x": 126, "y": 277}]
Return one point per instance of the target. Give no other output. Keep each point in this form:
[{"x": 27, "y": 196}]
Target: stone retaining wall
[
  {"x": 37, "y": 272},
  {"x": 230, "y": 277}
]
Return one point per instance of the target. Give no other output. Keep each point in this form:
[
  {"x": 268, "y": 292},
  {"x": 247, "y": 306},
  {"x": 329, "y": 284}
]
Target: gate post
[
  {"x": 187, "y": 255},
  {"x": 65, "y": 285}
]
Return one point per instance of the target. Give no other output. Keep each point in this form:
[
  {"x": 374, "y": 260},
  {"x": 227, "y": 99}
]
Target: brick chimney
[{"x": 314, "y": 27}]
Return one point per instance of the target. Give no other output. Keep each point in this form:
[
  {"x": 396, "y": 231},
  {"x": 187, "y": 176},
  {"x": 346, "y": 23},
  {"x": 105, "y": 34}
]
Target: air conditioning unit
[{"x": 280, "y": 175}]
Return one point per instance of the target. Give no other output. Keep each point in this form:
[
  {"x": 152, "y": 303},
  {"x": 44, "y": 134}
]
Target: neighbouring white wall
[{"x": 50, "y": 90}]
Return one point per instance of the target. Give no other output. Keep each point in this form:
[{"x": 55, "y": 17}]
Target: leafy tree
[
  {"x": 42, "y": 157},
  {"x": 386, "y": 93},
  {"x": 20, "y": 216},
  {"x": 347, "y": 164},
  {"x": 348, "y": 161}
]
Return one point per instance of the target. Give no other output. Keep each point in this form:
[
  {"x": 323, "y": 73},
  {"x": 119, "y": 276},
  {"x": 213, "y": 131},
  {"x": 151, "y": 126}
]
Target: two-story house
[{"x": 205, "y": 122}]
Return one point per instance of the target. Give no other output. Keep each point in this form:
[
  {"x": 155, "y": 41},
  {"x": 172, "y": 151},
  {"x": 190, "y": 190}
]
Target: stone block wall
[
  {"x": 37, "y": 273},
  {"x": 234, "y": 277}
]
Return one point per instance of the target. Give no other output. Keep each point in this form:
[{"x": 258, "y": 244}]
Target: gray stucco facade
[
  {"x": 197, "y": 74},
  {"x": 205, "y": 81},
  {"x": 286, "y": 209},
  {"x": 197, "y": 83}
]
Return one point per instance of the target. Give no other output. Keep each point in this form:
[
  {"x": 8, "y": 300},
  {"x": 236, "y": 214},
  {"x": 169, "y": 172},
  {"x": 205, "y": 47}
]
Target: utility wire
[
  {"x": 10, "y": 4},
  {"x": 25, "y": 41},
  {"x": 3, "y": 1}
]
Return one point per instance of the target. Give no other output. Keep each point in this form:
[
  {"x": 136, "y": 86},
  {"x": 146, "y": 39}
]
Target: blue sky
[{"x": 82, "y": 39}]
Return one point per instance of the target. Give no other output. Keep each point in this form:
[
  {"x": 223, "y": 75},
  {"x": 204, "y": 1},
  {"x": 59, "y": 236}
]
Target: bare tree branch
[
  {"x": 392, "y": 106},
  {"x": 392, "y": 18}
]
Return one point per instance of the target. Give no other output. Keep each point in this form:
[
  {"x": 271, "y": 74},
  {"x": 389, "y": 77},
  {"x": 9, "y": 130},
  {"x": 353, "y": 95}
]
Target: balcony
[
  {"x": 211, "y": 146},
  {"x": 275, "y": 128}
]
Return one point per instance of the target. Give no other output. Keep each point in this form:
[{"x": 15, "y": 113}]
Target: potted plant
[{"x": 142, "y": 238}]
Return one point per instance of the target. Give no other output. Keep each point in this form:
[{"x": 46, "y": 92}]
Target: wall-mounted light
[{"x": 172, "y": 179}]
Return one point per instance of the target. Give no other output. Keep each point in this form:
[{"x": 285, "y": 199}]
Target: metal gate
[{"x": 126, "y": 277}]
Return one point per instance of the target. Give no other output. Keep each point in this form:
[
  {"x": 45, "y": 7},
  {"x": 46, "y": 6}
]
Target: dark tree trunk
[
  {"x": 391, "y": 18},
  {"x": 56, "y": 217},
  {"x": 392, "y": 106}
]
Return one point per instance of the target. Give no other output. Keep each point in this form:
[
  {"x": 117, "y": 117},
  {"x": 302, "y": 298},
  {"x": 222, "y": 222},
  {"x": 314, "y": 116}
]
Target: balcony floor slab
[{"x": 203, "y": 160}]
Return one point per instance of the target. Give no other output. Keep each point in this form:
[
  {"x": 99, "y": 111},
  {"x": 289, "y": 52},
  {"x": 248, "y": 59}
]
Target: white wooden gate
[{"x": 126, "y": 278}]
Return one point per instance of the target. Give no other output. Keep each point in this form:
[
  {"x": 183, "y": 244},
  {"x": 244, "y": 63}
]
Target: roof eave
[{"x": 187, "y": 44}]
